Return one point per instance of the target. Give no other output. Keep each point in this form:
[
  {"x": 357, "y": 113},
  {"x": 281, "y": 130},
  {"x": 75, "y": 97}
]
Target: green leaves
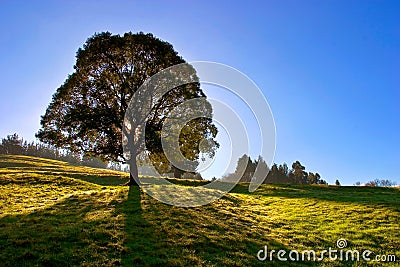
[{"x": 87, "y": 112}]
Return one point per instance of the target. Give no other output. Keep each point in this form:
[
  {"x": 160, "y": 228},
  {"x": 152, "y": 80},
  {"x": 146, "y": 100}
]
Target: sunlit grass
[{"x": 56, "y": 214}]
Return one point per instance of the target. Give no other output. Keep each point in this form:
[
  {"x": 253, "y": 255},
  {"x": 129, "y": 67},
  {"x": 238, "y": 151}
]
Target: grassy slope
[{"x": 55, "y": 214}]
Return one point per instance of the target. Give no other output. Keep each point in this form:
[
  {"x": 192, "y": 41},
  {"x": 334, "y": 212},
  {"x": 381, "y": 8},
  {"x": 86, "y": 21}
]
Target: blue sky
[{"x": 329, "y": 69}]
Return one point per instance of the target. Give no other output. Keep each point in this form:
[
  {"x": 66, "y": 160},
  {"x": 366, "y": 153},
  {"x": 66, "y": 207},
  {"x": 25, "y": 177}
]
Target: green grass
[{"x": 56, "y": 214}]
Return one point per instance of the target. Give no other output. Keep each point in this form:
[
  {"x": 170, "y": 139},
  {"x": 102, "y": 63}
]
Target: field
[{"x": 56, "y": 214}]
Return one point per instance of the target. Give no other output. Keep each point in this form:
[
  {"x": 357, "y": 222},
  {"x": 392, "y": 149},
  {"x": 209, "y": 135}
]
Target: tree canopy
[{"x": 86, "y": 114}]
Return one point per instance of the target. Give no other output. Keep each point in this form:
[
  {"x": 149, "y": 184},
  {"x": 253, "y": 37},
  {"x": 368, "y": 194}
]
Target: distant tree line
[
  {"x": 383, "y": 183},
  {"x": 281, "y": 174},
  {"x": 278, "y": 174},
  {"x": 13, "y": 144}
]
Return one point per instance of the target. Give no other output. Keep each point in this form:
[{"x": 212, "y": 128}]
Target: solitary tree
[{"x": 86, "y": 114}]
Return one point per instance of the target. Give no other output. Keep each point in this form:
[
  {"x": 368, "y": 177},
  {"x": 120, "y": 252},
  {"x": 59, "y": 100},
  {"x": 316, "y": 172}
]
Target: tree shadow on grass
[
  {"x": 140, "y": 239},
  {"x": 80, "y": 229},
  {"x": 104, "y": 180},
  {"x": 104, "y": 228},
  {"x": 129, "y": 228},
  {"x": 158, "y": 234}
]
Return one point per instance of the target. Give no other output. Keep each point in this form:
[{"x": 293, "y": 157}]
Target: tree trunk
[
  {"x": 132, "y": 181},
  {"x": 134, "y": 174}
]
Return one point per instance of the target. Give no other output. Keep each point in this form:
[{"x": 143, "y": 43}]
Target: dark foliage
[
  {"x": 87, "y": 113},
  {"x": 277, "y": 174}
]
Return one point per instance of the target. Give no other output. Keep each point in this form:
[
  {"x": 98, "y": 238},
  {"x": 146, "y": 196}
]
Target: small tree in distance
[{"x": 383, "y": 183}]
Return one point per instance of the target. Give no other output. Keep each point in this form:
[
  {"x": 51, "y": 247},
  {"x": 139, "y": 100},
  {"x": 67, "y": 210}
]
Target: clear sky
[{"x": 329, "y": 69}]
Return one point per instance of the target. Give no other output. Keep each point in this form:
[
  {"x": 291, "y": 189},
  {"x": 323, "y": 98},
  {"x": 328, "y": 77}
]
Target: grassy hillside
[{"x": 55, "y": 214}]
